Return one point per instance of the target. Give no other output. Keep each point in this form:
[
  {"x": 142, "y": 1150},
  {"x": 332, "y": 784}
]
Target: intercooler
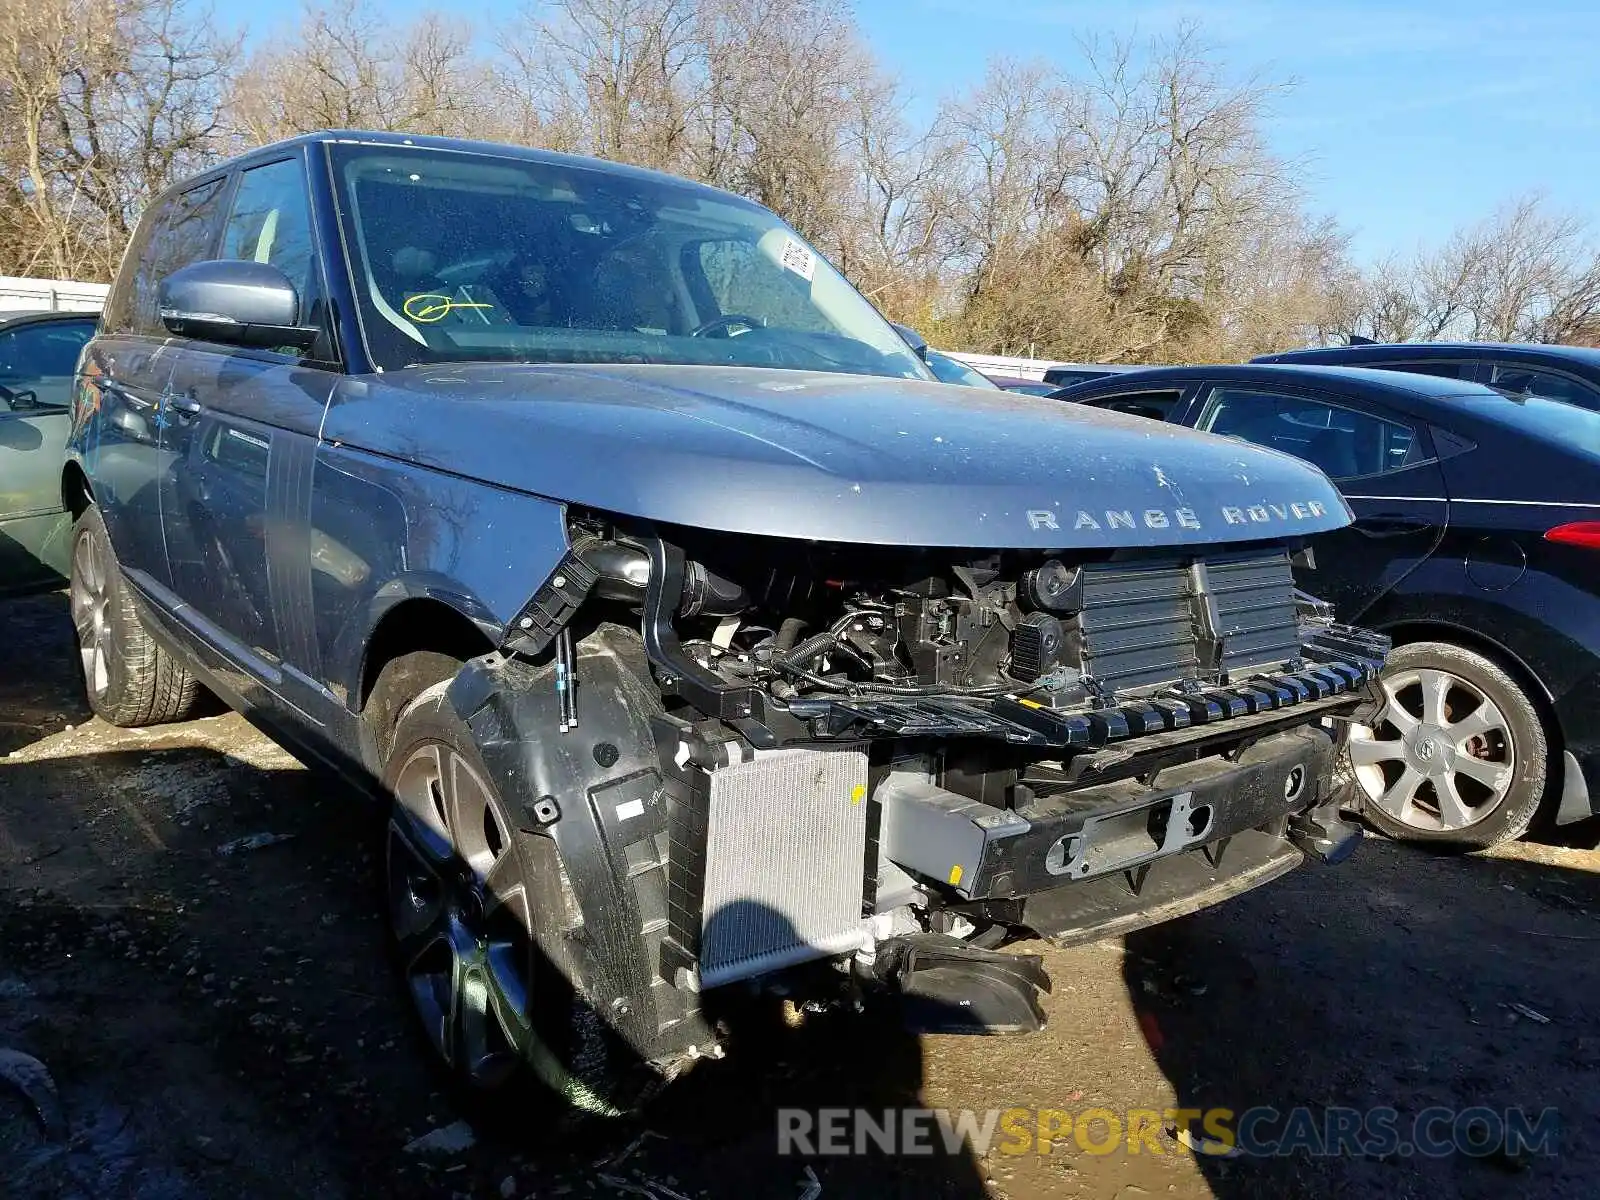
[{"x": 785, "y": 854}]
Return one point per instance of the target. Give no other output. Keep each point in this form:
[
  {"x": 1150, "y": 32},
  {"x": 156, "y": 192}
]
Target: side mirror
[
  {"x": 234, "y": 302},
  {"x": 915, "y": 340}
]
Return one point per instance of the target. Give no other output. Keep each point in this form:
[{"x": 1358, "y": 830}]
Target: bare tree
[
  {"x": 348, "y": 67},
  {"x": 614, "y": 72},
  {"x": 1129, "y": 211},
  {"x": 897, "y": 214},
  {"x": 1526, "y": 273},
  {"x": 1140, "y": 200},
  {"x": 110, "y": 101}
]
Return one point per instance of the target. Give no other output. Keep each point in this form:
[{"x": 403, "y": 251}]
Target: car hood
[{"x": 833, "y": 457}]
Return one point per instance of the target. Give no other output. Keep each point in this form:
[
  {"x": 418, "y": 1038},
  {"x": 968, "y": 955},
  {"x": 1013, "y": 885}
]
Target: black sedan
[
  {"x": 1570, "y": 373},
  {"x": 1475, "y": 546}
]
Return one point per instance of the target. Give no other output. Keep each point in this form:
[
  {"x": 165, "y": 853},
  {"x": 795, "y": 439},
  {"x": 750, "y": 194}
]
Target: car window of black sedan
[
  {"x": 1158, "y": 406},
  {"x": 1514, "y": 380},
  {"x": 1434, "y": 366},
  {"x": 1344, "y": 443}
]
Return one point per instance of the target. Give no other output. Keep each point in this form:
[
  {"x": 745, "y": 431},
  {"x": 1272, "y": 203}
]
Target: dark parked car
[
  {"x": 1476, "y": 546},
  {"x": 38, "y": 352},
  {"x": 693, "y": 633},
  {"x": 1070, "y": 374},
  {"x": 1570, "y": 373}
]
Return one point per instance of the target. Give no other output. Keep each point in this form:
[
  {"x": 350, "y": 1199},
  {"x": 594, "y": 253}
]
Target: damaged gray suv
[{"x": 693, "y": 633}]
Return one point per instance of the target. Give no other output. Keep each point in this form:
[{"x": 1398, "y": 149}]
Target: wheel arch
[
  {"x": 77, "y": 493},
  {"x": 1423, "y": 630},
  {"x": 415, "y": 625}
]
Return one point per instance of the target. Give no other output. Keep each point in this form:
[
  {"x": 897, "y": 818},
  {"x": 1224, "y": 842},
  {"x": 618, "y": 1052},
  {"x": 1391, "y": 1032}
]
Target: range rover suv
[{"x": 693, "y": 633}]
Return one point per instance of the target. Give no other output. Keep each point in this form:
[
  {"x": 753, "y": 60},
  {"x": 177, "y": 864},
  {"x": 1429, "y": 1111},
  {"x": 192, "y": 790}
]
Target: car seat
[{"x": 1334, "y": 451}]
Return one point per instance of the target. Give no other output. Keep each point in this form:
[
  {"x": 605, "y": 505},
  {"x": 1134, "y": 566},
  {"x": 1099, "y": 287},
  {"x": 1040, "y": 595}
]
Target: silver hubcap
[
  {"x": 459, "y": 910},
  {"x": 1439, "y": 755},
  {"x": 91, "y": 607}
]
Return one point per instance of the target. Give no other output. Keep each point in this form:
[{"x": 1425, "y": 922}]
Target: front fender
[{"x": 385, "y": 532}]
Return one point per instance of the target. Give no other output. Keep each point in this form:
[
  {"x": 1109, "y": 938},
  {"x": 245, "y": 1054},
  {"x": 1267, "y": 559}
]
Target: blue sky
[{"x": 1409, "y": 117}]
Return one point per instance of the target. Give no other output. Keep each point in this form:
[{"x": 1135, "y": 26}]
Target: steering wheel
[{"x": 727, "y": 321}]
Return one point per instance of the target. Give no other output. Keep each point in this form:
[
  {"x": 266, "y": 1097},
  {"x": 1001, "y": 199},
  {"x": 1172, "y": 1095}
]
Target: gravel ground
[{"x": 224, "y": 1024}]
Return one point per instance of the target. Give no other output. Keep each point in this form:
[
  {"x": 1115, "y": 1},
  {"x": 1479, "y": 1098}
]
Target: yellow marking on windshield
[{"x": 430, "y": 307}]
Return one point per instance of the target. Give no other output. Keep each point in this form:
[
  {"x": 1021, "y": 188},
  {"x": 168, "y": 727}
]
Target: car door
[
  {"x": 38, "y": 359},
  {"x": 1381, "y": 459},
  {"x": 124, "y": 385},
  {"x": 242, "y": 440}
]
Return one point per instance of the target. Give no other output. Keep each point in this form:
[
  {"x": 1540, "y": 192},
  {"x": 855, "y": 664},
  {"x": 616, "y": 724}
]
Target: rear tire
[
  {"x": 1457, "y": 757},
  {"x": 132, "y": 680},
  {"x": 477, "y": 912}
]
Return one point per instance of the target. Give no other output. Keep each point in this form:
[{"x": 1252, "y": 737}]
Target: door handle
[
  {"x": 1390, "y": 525},
  {"x": 125, "y": 395}
]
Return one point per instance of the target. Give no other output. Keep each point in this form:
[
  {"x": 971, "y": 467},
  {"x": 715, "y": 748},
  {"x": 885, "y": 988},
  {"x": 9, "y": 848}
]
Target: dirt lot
[{"x": 223, "y": 1024}]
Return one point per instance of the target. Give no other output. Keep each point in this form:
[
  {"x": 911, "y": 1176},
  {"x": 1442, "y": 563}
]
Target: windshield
[{"x": 461, "y": 257}]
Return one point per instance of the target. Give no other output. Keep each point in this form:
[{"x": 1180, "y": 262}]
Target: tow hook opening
[{"x": 1294, "y": 784}]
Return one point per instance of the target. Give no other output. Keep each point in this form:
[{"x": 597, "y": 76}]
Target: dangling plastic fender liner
[{"x": 596, "y": 791}]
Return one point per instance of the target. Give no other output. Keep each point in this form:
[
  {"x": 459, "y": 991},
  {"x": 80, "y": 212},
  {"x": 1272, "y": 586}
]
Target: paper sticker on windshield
[{"x": 798, "y": 259}]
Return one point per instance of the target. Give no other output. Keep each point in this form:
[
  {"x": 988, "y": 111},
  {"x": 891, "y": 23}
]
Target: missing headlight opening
[{"x": 892, "y": 759}]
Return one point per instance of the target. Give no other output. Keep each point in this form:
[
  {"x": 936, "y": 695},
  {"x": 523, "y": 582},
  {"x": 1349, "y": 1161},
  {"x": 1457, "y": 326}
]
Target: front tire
[
  {"x": 477, "y": 910},
  {"x": 1457, "y": 757},
  {"x": 132, "y": 681}
]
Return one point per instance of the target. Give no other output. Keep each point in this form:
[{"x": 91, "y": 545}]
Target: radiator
[{"x": 785, "y": 862}]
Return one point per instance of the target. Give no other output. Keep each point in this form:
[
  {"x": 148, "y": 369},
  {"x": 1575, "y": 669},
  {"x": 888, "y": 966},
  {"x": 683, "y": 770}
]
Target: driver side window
[{"x": 271, "y": 223}]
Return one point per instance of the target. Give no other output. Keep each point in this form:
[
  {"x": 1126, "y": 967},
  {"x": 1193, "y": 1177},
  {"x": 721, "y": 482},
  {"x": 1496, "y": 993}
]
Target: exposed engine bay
[
  {"x": 892, "y": 759},
  {"x": 799, "y": 641}
]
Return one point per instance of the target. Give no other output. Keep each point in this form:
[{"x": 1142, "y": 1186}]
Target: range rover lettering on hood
[{"x": 1179, "y": 518}]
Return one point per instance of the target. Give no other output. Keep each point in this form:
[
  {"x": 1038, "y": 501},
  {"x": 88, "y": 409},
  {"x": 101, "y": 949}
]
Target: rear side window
[
  {"x": 1158, "y": 406},
  {"x": 1439, "y": 367},
  {"x": 181, "y": 232},
  {"x": 1344, "y": 443},
  {"x": 1513, "y": 380}
]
